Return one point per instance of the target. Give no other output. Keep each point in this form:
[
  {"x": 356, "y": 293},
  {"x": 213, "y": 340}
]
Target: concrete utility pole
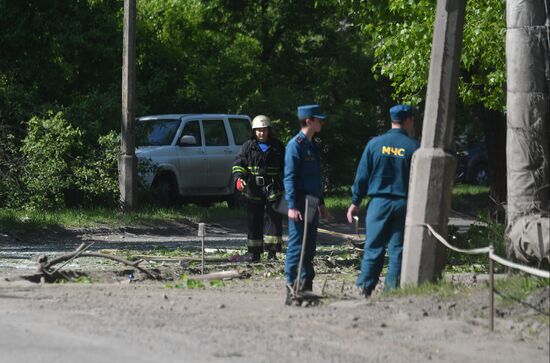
[
  {"x": 528, "y": 117},
  {"x": 433, "y": 165},
  {"x": 127, "y": 163}
]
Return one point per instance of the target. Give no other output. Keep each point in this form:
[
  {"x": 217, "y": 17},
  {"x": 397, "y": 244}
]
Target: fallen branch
[
  {"x": 221, "y": 275},
  {"x": 45, "y": 265},
  {"x": 356, "y": 240},
  {"x": 182, "y": 258}
]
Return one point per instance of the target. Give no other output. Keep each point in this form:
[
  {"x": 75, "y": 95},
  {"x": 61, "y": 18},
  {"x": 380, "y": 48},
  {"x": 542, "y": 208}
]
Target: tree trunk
[
  {"x": 528, "y": 106},
  {"x": 494, "y": 129}
]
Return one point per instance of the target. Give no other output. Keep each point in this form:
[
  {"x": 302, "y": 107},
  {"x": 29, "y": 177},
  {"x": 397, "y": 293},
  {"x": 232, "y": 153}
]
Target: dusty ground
[{"x": 114, "y": 319}]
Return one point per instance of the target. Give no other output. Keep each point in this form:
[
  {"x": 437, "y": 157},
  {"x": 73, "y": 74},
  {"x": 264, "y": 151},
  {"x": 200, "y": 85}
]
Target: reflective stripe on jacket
[{"x": 251, "y": 163}]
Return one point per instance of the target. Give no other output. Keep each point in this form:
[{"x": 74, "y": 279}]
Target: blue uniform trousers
[
  {"x": 385, "y": 226},
  {"x": 295, "y": 237}
]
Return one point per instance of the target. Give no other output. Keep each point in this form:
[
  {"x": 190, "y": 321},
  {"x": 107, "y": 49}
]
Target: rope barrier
[
  {"x": 492, "y": 256},
  {"x": 531, "y": 270},
  {"x": 474, "y": 251}
]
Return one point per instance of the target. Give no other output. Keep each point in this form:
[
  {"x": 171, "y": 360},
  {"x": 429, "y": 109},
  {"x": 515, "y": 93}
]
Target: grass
[
  {"x": 518, "y": 286},
  {"x": 338, "y": 205},
  {"x": 511, "y": 289},
  {"x": 441, "y": 288},
  {"x": 35, "y": 219},
  {"x": 25, "y": 219},
  {"x": 476, "y": 236},
  {"x": 470, "y": 199}
]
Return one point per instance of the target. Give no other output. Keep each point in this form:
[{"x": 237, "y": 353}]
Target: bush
[
  {"x": 50, "y": 150},
  {"x": 10, "y": 178},
  {"x": 59, "y": 169},
  {"x": 97, "y": 178}
]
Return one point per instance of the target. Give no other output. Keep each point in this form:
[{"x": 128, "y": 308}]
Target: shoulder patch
[{"x": 299, "y": 139}]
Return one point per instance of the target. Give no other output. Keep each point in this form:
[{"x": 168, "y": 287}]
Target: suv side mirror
[{"x": 187, "y": 140}]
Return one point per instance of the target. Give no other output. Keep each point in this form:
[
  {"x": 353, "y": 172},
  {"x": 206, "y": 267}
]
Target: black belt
[{"x": 260, "y": 180}]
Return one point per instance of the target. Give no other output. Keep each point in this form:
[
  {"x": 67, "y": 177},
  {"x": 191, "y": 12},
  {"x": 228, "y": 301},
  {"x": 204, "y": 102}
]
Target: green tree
[
  {"x": 242, "y": 56},
  {"x": 400, "y": 31}
]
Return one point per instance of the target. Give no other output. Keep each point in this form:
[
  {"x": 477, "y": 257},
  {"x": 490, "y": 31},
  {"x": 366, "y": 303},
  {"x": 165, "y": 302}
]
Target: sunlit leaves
[{"x": 401, "y": 33}]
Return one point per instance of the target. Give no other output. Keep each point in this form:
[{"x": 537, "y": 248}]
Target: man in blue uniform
[
  {"x": 383, "y": 175},
  {"x": 303, "y": 177}
]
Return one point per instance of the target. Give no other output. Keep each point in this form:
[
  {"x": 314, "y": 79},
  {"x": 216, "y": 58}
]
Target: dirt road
[
  {"x": 246, "y": 321},
  {"x": 115, "y": 320}
]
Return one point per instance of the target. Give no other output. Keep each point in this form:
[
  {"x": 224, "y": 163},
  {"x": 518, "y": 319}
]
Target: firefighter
[
  {"x": 303, "y": 177},
  {"x": 383, "y": 175},
  {"x": 258, "y": 171}
]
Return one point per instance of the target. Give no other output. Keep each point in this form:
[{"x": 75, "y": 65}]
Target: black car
[{"x": 472, "y": 164}]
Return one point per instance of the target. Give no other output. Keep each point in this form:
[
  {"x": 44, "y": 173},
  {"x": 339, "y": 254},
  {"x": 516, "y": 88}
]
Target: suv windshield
[{"x": 156, "y": 132}]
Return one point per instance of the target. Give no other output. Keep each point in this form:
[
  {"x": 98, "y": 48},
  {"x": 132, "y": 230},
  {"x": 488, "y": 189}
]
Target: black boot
[
  {"x": 307, "y": 285},
  {"x": 366, "y": 292},
  {"x": 271, "y": 255},
  {"x": 254, "y": 253}
]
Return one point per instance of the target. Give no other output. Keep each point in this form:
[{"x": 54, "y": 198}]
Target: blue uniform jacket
[
  {"x": 385, "y": 166},
  {"x": 302, "y": 171}
]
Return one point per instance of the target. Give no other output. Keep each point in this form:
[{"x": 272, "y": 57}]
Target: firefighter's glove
[{"x": 241, "y": 184}]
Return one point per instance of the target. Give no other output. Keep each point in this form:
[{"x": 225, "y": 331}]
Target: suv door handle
[{"x": 227, "y": 151}]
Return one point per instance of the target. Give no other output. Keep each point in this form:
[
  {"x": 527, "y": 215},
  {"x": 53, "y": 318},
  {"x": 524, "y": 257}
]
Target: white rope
[
  {"x": 531, "y": 270},
  {"x": 492, "y": 256},
  {"x": 474, "y": 251}
]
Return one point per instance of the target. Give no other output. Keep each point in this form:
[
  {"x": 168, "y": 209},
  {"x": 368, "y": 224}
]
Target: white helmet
[{"x": 260, "y": 122}]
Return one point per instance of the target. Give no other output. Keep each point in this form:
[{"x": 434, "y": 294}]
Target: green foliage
[
  {"x": 217, "y": 283},
  {"x": 401, "y": 34},
  {"x": 194, "y": 284},
  {"x": 10, "y": 163},
  {"x": 185, "y": 281},
  {"x": 477, "y": 236},
  {"x": 97, "y": 177},
  {"x": 50, "y": 150},
  {"x": 351, "y": 56},
  {"x": 84, "y": 280},
  {"x": 60, "y": 170}
]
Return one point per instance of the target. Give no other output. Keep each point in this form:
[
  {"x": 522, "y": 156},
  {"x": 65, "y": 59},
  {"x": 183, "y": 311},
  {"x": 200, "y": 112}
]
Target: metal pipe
[
  {"x": 491, "y": 290},
  {"x": 304, "y": 240}
]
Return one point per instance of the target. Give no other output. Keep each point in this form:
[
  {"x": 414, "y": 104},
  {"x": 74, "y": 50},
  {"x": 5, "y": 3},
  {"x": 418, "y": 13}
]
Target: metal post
[
  {"x": 491, "y": 290},
  {"x": 201, "y": 235}
]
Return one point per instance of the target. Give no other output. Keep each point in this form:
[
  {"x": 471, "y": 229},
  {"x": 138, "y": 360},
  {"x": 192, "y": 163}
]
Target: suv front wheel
[{"x": 164, "y": 190}]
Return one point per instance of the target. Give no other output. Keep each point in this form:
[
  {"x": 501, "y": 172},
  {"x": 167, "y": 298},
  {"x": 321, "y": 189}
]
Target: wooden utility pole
[
  {"x": 433, "y": 165},
  {"x": 127, "y": 163}
]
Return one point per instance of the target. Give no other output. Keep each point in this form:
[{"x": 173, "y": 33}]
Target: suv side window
[
  {"x": 192, "y": 128},
  {"x": 156, "y": 132},
  {"x": 241, "y": 130},
  {"x": 214, "y": 133}
]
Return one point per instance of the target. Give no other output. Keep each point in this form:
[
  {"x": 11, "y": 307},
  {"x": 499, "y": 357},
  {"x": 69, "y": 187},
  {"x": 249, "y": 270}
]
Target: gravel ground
[{"x": 115, "y": 319}]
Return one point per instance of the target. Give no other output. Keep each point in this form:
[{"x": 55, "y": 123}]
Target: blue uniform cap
[
  {"x": 400, "y": 112},
  {"x": 306, "y": 111}
]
